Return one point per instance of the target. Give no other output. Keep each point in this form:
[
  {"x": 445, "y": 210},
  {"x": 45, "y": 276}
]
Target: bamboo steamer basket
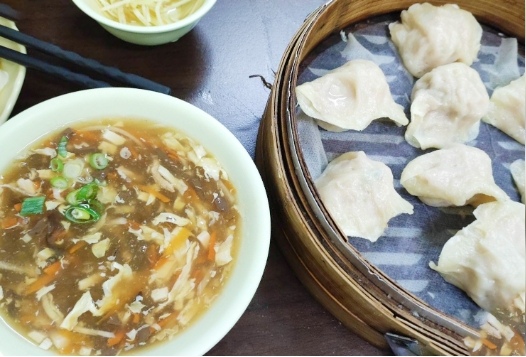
[{"x": 356, "y": 292}]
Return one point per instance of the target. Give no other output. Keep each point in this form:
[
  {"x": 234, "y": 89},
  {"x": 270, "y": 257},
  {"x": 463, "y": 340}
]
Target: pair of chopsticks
[{"x": 61, "y": 72}]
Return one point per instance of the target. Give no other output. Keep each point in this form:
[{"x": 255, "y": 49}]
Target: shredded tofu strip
[
  {"x": 110, "y": 287},
  {"x": 148, "y": 12},
  {"x": 17, "y": 269},
  {"x": 84, "y": 304}
]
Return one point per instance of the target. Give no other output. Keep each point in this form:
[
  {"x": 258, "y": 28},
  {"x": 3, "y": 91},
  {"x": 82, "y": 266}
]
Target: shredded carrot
[
  {"x": 119, "y": 336},
  {"x": 38, "y": 284},
  {"x": 211, "y": 247},
  {"x": 52, "y": 268},
  {"x": 172, "y": 154},
  {"x": 18, "y": 206},
  {"x": 9, "y": 222},
  {"x": 489, "y": 344},
  {"x": 80, "y": 244},
  {"x": 136, "y": 318},
  {"x": 152, "y": 254},
  {"x": 49, "y": 275},
  {"x": 154, "y": 192},
  {"x": 177, "y": 241},
  {"x": 163, "y": 260},
  {"x": 517, "y": 341}
]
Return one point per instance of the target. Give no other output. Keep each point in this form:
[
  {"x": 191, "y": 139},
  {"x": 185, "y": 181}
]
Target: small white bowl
[
  {"x": 17, "y": 73},
  {"x": 144, "y": 35},
  {"x": 52, "y": 115}
]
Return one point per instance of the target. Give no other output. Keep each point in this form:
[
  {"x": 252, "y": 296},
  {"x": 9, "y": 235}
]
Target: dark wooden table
[{"x": 213, "y": 67}]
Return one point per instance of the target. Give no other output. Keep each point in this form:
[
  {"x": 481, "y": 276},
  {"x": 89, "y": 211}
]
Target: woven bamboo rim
[{"x": 360, "y": 295}]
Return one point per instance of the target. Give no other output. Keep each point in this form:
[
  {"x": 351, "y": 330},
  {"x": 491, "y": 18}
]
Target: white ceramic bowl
[
  {"x": 9, "y": 93},
  {"x": 51, "y": 115},
  {"x": 143, "y": 35}
]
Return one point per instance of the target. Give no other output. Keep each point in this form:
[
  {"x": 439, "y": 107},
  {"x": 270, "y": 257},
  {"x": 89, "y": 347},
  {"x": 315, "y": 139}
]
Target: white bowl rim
[
  {"x": 190, "y": 19},
  {"x": 237, "y": 304}
]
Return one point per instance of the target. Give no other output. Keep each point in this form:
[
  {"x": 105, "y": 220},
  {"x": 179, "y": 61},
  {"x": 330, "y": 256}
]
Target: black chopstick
[
  {"x": 110, "y": 72},
  {"x": 9, "y": 13},
  {"x": 61, "y": 72}
]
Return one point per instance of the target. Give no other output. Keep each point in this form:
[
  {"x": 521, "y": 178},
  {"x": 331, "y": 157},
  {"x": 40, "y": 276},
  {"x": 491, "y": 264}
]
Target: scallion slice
[
  {"x": 32, "y": 205},
  {"x": 98, "y": 161},
  {"x": 73, "y": 168},
  {"x": 87, "y": 192},
  {"x": 99, "y": 182},
  {"x": 71, "y": 198},
  {"x": 84, "y": 194},
  {"x": 62, "y": 151},
  {"x": 96, "y": 205},
  {"x": 56, "y": 164},
  {"x": 82, "y": 213},
  {"x": 59, "y": 182}
]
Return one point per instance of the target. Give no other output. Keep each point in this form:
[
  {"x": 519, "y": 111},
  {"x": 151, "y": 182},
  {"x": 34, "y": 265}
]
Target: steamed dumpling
[
  {"x": 359, "y": 194},
  {"x": 350, "y": 97},
  {"x": 447, "y": 105},
  {"x": 430, "y": 36},
  {"x": 507, "y": 110},
  {"x": 453, "y": 176},
  {"x": 518, "y": 175},
  {"x": 487, "y": 258}
]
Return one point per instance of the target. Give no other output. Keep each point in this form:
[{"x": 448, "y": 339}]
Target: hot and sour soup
[{"x": 114, "y": 235}]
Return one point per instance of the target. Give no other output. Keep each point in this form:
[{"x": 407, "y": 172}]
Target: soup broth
[{"x": 114, "y": 235}]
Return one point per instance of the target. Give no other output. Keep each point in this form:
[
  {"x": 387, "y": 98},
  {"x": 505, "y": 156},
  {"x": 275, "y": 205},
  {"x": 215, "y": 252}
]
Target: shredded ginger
[{"x": 148, "y": 12}]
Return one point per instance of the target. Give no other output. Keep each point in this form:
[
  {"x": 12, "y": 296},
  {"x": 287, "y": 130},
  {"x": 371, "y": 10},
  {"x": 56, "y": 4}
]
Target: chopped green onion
[
  {"x": 98, "y": 161},
  {"x": 73, "y": 169},
  {"x": 32, "y": 205},
  {"x": 87, "y": 192},
  {"x": 62, "y": 151},
  {"x": 84, "y": 194},
  {"x": 56, "y": 165},
  {"x": 82, "y": 213},
  {"x": 71, "y": 198},
  {"x": 97, "y": 206},
  {"x": 59, "y": 182},
  {"x": 79, "y": 214},
  {"x": 99, "y": 182}
]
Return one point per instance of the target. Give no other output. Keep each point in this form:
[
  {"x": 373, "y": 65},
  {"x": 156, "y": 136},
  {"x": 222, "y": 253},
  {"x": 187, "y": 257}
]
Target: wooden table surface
[{"x": 213, "y": 67}]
